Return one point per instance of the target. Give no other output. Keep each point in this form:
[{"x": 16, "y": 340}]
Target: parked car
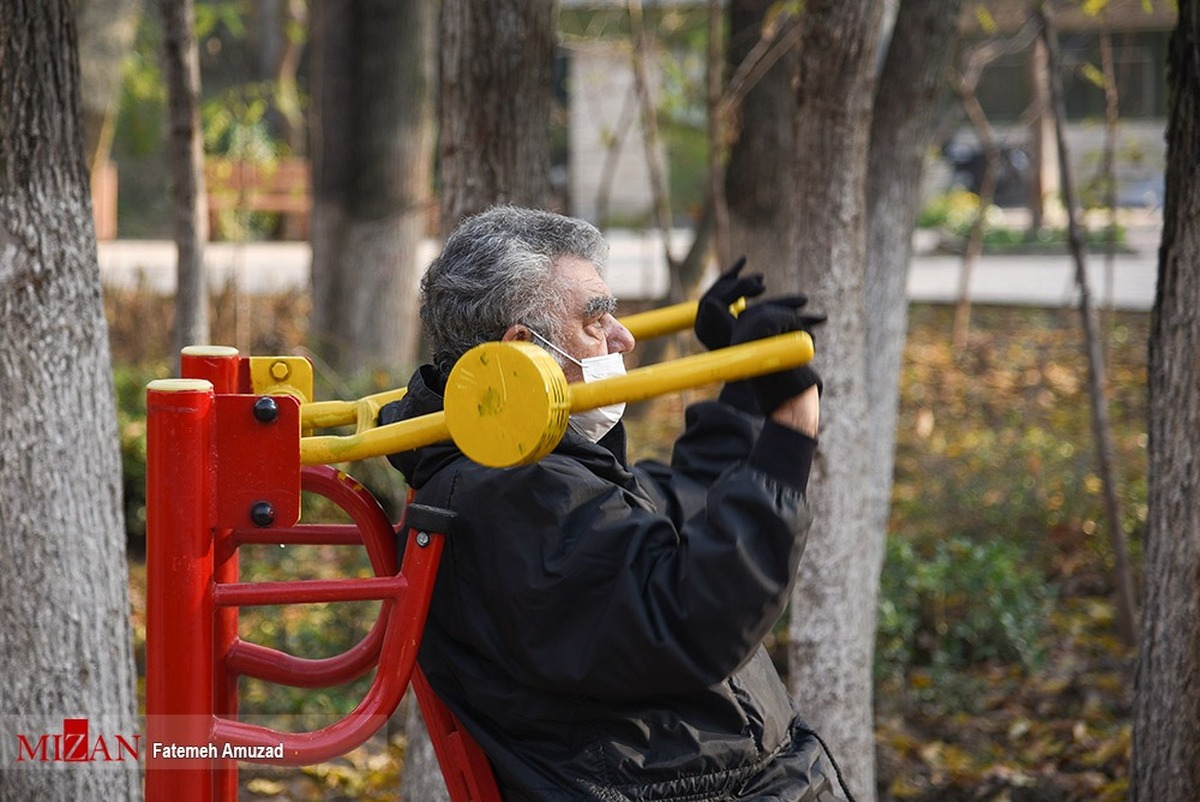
[{"x": 968, "y": 163}]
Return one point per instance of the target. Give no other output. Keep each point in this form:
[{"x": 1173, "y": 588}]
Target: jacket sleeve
[
  {"x": 583, "y": 587},
  {"x": 715, "y": 436}
]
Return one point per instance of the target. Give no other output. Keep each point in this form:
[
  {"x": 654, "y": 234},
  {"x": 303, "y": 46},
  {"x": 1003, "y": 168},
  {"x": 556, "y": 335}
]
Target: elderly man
[{"x": 598, "y": 627}]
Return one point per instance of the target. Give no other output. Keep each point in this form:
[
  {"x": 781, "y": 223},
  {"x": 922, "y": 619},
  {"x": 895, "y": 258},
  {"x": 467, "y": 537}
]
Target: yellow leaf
[
  {"x": 904, "y": 788},
  {"x": 1093, "y": 74},
  {"x": 985, "y": 18},
  {"x": 264, "y": 787}
]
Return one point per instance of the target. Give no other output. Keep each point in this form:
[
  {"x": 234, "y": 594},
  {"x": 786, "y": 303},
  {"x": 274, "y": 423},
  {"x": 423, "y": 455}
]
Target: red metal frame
[{"x": 219, "y": 476}]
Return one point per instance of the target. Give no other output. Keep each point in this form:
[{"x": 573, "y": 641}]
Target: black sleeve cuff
[
  {"x": 739, "y": 396},
  {"x": 784, "y": 454}
]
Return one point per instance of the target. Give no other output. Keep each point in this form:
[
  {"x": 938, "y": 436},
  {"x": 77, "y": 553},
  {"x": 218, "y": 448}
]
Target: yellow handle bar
[
  {"x": 642, "y": 325},
  {"x": 509, "y": 402}
]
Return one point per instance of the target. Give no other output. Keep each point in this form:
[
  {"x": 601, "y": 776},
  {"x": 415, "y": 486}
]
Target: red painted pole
[
  {"x": 220, "y": 365},
  {"x": 180, "y": 503}
]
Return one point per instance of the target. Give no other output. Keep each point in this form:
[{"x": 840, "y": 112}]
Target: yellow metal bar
[
  {"x": 725, "y": 365},
  {"x": 668, "y": 319},
  {"x": 326, "y": 414},
  {"x": 360, "y": 413},
  {"x": 377, "y": 442},
  {"x": 664, "y": 320}
]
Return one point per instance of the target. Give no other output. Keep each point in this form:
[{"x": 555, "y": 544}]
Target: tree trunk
[
  {"x": 902, "y": 128},
  {"x": 1097, "y": 382},
  {"x": 966, "y": 82},
  {"x": 496, "y": 100},
  {"x": 832, "y": 630},
  {"x": 655, "y": 161},
  {"x": 1043, "y": 172},
  {"x": 372, "y": 140},
  {"x": 973, "y": 248},
  {"x": 714, "y": 74},
  {"x": 65, "y": 644},
  {"x": 106, "y": 32},
  {"x": 422, "y": 778},
  {"x": 186, "y": 148},
  {"x": 760, "y": 131},
  {"x": 497, "y": 60},
  {"x": 1166, "y": 729},
  {"x": 1112, "y": 123},
  {"x": 280, "y": 50}
]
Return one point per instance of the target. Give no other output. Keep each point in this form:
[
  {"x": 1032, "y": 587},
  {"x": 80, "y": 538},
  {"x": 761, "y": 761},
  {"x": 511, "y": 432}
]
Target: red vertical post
[
  {"x": 219, "y": 365},
  {"x": 180, "y": 504}
]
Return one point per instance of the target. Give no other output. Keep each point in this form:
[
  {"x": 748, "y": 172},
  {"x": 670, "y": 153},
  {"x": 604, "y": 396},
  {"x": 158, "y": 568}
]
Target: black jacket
[{"x": 598, "y": 630}]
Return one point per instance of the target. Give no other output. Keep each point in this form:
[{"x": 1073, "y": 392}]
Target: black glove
[
  {"x": 714, "y": 321},
  {"x": 768, "y": 319}
]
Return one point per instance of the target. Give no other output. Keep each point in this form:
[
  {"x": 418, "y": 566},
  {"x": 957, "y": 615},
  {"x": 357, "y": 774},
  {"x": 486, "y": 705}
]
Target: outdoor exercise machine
[{"x": 231, "y": 446}]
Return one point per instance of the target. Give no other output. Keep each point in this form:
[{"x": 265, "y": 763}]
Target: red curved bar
[
  {"x": 308, "y": 591},
  {"x": 465, "y": 766},
  {"x": 250, "y": 659},
  {"x": 302, "y": 535},
  {"x": 377, "y": 535},
  {"x": 398, "y": 657}
]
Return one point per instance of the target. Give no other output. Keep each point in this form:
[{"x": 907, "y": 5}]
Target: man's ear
[{"x": 517, "y": 332}]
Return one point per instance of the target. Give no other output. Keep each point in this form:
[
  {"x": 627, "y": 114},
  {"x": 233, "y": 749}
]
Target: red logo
[{"x": 75, "y": 745}]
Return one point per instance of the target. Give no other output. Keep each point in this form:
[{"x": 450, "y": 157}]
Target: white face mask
[{"x": 594, "y": 423}]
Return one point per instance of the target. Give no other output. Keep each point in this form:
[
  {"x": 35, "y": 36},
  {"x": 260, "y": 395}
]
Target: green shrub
[
  {"x": 965, "y": 602},
  {"x": 954, "y": 213},
  {"x": 954, "y": 210},
  {"x": 129, "y": 384}
]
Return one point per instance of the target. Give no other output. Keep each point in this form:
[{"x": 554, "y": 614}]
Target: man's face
[{"x": 589, "y": 328}]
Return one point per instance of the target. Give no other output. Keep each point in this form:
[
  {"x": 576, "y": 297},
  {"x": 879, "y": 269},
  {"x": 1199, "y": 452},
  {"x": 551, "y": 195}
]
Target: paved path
[{"x": 636, "y": 271}]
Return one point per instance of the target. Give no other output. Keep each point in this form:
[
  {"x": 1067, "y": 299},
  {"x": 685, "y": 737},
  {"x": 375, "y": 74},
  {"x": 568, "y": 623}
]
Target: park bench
[
  {"x": 241, "y": 187},
  {"x": 229, "y": 449}
]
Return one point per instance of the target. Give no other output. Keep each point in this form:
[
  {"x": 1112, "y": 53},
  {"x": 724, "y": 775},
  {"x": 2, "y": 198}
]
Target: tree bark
[
  {"x": 65, "y": 644},
  {"x": 655, "y": 162},
  {"x": 715, "y": 87},
  {"x": 1112, "y": 124},
  {"x": 1043, "y": 173},
  {"x": 106, "y": 32},
  {"x": 1097, "y": 382},
  {"x": 832, "y": 629},
  {"x": 497, "y": 59},
  {"x": 494, "y": 147},
  {"x": 281, "y": 47},
  {"x": 973, "y": 247},
  {"x": 902, "y": 129},
  {"x": 372, "y": 142},
  {"x": 760, "y": 132},
  {"x": 974, "y": 61},
  {"x": 1166, "y": 729},
  {"x": 186, "y": 148}
]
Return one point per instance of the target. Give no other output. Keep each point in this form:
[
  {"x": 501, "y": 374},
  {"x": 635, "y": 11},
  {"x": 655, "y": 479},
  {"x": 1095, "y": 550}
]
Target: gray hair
[{"x": 494, "y": 271}]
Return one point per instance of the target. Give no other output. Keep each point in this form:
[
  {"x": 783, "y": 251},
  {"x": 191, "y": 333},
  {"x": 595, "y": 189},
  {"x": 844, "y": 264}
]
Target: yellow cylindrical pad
[{"x": 507, "y": 403}]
